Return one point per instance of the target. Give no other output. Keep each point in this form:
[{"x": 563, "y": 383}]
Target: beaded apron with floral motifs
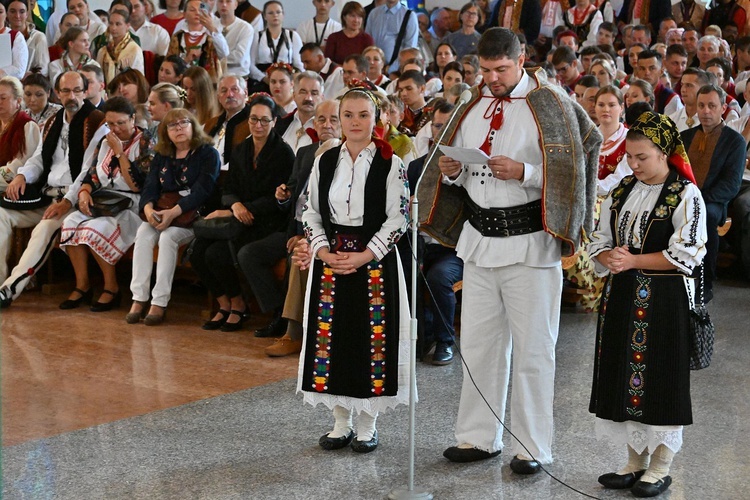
[
  {"x": 638, "y": 346},
  {"x": 323, "y": 337}
]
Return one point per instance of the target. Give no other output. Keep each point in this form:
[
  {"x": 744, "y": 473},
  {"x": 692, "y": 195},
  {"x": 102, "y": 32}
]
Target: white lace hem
[{"x": 640, "y": 436}]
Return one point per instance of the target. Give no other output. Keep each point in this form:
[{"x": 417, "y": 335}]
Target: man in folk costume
[
  {"x": 520, "y": 16},
  {"x": 56, "y": 164},
  {"x": 524, "y": 207}
]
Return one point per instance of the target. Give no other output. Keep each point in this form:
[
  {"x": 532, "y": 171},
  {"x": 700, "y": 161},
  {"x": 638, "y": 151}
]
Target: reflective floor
[{"x": 97, "y": 409}]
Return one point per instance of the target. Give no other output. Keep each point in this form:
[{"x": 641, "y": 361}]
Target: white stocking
[
  {"x": 636, "y": 462},
  {"x": 343, "y": 425},
  {"x": 366, "y": 426},
  {"x": 661, "y": 460}
]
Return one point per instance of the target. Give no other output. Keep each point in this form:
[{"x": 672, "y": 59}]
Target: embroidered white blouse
[{"x": 347, "y": 201}]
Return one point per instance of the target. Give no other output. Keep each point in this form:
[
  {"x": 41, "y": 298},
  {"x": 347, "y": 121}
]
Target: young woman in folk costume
[
  {"x": 355, "y": 354},
  {"x": 651, "y": 239},
  {"x": 613, "y": 167}
]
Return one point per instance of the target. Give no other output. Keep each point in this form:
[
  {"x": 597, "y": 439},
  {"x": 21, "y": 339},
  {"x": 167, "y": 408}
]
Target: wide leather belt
[{"x": 503, "y": 222}]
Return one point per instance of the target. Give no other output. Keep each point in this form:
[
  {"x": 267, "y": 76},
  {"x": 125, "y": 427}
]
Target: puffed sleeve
[
  {"x": 396, "y": 209},
  {"x": 311, "y": 218},
  {"x": 601, "y": 239},
  {"x": 687, "y": 245}
]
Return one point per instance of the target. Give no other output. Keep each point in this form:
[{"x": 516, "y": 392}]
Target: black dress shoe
[
  {"x": 644, "y": 489},
  {"x": 73, "y": 303},
  {"x": 521, "y": 466},
  {"x": 463, "y": 455},
  {"x": 365, "y": 446},
  {"x": 443, "y": 354},
  {"x": 216, "y": 324},
  {"x": 6, "y": 298},
  {"x": 233, "y": 327},
  {"x": 329, "y": 443},
  {"x": 276, "y": 328},
  {"x": 615, "y": 481},
  {"x": 107, "y": 306}
]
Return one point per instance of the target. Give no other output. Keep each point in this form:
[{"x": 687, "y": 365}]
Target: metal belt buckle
[
  {"x": 501, "y": 222},
  {"x": 504, "y": 233}
]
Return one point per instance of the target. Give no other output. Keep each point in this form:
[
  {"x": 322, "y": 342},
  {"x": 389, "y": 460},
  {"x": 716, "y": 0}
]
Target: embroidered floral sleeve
[
  {"x": 397, "y": 210},
  {"x": 687, "y": 245},
  {"x": 601, "y": 239},
  {"x": 311, "y": 219}
]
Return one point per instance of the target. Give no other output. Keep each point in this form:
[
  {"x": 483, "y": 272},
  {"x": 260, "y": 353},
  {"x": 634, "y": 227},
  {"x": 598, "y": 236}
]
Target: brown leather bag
[{"x": 169, "y": 200}]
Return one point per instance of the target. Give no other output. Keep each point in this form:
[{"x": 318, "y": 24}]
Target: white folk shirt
[
  {"x": 308, "y": 30},
  {"x": 295, "y": 139},
  {"x": 239, "y": 36},
  {"x": 153, "y": 38},
  {"x": 346, "y": 199},
  {"x": 518, "y": 139}
]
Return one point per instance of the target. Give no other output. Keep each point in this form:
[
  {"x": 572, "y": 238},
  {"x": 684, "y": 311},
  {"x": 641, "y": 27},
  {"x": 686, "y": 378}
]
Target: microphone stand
[{"x": 411, "y": 493}]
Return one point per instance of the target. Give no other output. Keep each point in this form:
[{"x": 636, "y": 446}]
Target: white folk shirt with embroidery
[
  {"x": 518, "y": 139},
  {"x": 293, "y": 137},
  {"x": 346, "y": 199},
  {"x": 239, "y": 36}
]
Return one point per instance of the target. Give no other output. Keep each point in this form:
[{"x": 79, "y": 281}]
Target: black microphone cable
[{"x": 471, "y": 377}]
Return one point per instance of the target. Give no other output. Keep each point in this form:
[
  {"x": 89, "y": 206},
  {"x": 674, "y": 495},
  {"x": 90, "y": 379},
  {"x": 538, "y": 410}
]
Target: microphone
[{"x": 464, "y": 98}]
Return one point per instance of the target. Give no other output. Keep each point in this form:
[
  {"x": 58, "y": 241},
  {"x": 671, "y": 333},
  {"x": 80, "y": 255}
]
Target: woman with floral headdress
[
  {"x": 355, "y": 353},
  {"x": 281, "y": 86},
  {"x": 650, "y": 240}
]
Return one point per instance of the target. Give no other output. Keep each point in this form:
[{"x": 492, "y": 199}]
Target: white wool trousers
[
  {"x": 36, "y": 251},
  {"x": 509, "y": 313}
]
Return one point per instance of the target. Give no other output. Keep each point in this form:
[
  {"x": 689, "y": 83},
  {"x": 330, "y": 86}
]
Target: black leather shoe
[
  {"x": 463, "y": 455},
  {"x": 443, "y": 354},
  {"x": 643, "y": 489},
  {"x": 6, "y": 298},
  {"x": 73, "y": 303},
  {"x": 276, "y": 328},
  {"x": 233, "y": 327},
  {"x": 216, "y": 324},
  {"x": 107, "y": 306},
  {"x": 366, "y": 446},
  {"x": 328, "y": 443},
  {"x": 615, "y": 481},
  {"x": 521, "y": 466}
]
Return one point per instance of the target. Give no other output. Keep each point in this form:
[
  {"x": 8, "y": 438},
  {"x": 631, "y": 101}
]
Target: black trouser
[
  {"x": 214, "y": 264},
  {"x": 714, "y": 219},
  {"x": 257, "y": 260}
]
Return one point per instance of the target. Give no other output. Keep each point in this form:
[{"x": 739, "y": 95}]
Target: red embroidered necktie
[{"x": 494, "y": 113}]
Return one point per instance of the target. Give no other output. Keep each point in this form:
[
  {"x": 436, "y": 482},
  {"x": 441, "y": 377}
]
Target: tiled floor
[{"x": 73, "y": 372}]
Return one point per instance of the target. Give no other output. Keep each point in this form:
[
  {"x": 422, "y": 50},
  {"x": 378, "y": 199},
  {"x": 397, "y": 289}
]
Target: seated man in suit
[
  {"x": 441, "y": 266},
  {"x": 717, "y": 155},
  {"x": 291, "y": 196}
]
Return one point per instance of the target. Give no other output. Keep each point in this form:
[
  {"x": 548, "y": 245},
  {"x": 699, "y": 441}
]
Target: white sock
[
  {"x": 661, "y": 460},
  {"x": 366, "y": 426},
  {"x": 636, "y": 461},
  {"x": 343, "y": 422}
]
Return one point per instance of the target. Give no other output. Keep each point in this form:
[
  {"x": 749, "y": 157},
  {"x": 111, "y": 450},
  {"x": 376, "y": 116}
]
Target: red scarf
[{"x": 13, "y": 140}]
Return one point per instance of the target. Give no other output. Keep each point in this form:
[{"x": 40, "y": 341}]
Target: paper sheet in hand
[
  {"x": 6, "y": 55},
  {"x": 465, "y": 155}
]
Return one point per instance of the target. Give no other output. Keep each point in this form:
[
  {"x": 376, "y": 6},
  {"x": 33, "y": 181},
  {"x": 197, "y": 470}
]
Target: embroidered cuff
[
  {"x": 681, "y": 266},
  {"x": 318, "y": 242},
  {"x": 378, "y": 248}
]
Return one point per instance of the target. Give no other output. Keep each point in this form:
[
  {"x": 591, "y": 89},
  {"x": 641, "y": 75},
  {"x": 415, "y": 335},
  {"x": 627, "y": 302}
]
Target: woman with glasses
[
  {"x": 76, "y": 44},
  {"x": 121, "y": 50},
  {"x": 185, "y": 163},
  {"x": 466, "y": 39},
  {"x": 261, "y": 163},
  {"x": 120, "y": 164}
]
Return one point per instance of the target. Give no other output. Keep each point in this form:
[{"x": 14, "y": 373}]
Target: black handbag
[
  {"x": 702, "y": 331},
  {"x": 218, "y": 228},
  {"x": 31, "y": 199},
  {"x": 108, "y": 203}
]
